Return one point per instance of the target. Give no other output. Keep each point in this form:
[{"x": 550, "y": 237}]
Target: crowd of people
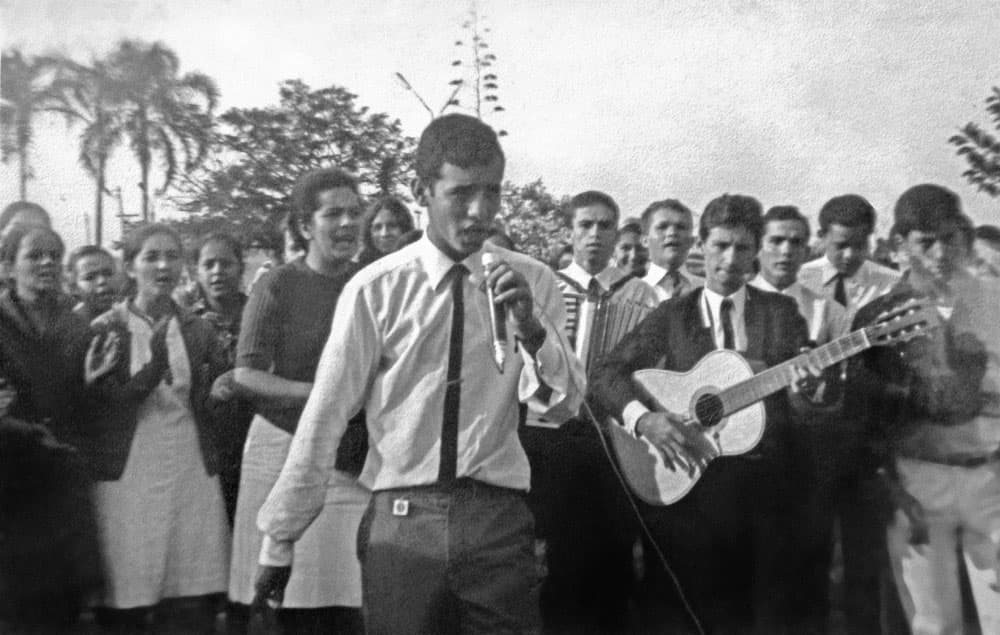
[{"x": 353, "y": 445}]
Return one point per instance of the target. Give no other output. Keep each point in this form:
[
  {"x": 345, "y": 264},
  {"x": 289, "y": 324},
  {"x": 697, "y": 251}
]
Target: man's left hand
[{"x": 807, "y": 373}]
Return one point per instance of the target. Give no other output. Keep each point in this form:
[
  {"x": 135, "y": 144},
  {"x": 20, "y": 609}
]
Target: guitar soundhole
[{"x": 708, "y": 410}]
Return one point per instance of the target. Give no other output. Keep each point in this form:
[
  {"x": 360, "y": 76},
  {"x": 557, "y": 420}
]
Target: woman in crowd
[
  {"x": 285, "y": 324},
  {"x": 161, "y": 517},
  {"x": 217, "y": 298},
  {"x": 384, "y": 223},
  {"x": 48, "y": 549},
  {"x": 92, "y": 281}
]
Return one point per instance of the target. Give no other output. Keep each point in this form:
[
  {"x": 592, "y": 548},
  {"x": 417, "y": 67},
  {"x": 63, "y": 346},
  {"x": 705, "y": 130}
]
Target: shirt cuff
[
  {"x": 546, "y": 358},
  {"x": 630, "y": 416},
  {"x": 276, "y": 553}
]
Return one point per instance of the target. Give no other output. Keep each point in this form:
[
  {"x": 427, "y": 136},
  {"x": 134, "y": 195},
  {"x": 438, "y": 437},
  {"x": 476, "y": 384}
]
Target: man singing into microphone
[{"x": 446, "y": 544}]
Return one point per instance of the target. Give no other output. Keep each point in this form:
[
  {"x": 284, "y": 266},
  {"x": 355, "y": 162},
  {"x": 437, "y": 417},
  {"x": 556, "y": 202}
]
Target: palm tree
[
  {"x": 87, "y": 95},
  {"x": 25, "y": 85},
  {"x": 161, "y": 112}
]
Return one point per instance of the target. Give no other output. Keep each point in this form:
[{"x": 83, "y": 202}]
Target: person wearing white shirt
[
  {"x": 668, "y": 234},
  {"x": 725, "y": 539},
  {"x": 577, "y": 500},
  {"x": 784, "y": 247},
  {"x": 446, "y": 544},
  {"x": 846, "y": 275}
]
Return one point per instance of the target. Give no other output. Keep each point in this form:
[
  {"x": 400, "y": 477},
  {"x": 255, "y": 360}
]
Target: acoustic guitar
[{"x": 722, "y": 398}]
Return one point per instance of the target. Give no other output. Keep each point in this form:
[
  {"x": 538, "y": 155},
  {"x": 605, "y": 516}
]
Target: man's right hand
[
  {"x": 269, "y": 588},
  {"x": 665, "y": 430}
]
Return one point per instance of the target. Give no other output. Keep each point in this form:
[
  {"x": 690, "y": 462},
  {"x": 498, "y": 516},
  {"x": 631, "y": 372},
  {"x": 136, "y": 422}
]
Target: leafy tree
[
  {"x": 246, "y": 184},
  {"x": 163, "y": 114},
  {"x": 88, "y": 96},
  {"x": 534, "y": 218},
  {"x": 981, "y": 149},
  {"x": 26, "y": 88}
]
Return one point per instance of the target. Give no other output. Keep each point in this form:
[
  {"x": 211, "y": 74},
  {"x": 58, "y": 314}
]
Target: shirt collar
[
  {"x": 713, "y": 301},
  {"x": 830, "y": 273},
  {"x": 655, "y": 273},
  {"x": 605, "y": 278},
  {"x": 761, "y": 283},
  {"x": 437, "y": 264}
]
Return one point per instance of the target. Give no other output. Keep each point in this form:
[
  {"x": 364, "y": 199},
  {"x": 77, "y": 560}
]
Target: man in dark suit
[{"x": 724, "y": 539}]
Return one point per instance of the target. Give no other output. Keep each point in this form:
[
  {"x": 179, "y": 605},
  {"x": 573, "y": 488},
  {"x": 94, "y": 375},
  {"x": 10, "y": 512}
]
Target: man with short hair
[
  {"x": 585, "y": 516},
  {"x": 845, "y": 273},
  {"x": 668, "y": 234},
  {"x": 937, "y": 399},
  {"x": 630, "y": 254},
  {"x": 91, "y": 273},
  {"x": 724, "y": 539},
  {"x": 784, "y": 247},
  {"x": 446, "y": 544}
]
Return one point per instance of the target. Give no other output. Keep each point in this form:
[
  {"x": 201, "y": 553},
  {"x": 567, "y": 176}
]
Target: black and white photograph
[{"x": 541, "y": 317}]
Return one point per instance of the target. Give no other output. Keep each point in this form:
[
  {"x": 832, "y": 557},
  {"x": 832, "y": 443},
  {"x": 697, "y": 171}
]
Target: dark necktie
[
  {"x": 593, "y": 290},
  {"x": 839, "y": 292},
  {"x": 449, "y": 425},
  {"x": 726, "y": 316},
  {"x": 675, "y": 283}
]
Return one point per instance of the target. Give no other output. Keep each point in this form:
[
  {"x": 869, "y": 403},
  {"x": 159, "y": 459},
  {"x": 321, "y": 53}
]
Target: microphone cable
[{"x": 631, "y": 499}]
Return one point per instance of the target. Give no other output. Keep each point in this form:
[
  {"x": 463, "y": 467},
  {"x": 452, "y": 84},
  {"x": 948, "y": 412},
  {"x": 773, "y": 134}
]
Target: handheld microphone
[{"x": 498, "y": 320}]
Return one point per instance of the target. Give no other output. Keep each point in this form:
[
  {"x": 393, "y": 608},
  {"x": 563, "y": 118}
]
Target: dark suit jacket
[
  {"x": 673, "y": 337},
  {"x": 119, "y": 395}
]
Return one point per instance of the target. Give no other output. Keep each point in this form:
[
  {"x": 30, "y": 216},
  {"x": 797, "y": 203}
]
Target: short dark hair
[
  {"x": 926, "y": 207},
  {"x": 225, "y": 238},
  {"x": 135, "y": 239},
  {"x": 849, "y": 210},
  {"x": 786, "y": 212},
  {"x": 733, "y": 210},
  {"x": 80, "y": 253},
  {"x": 12, "y": 241},
  {"x": 630, "y": 225},
  {"x": 989, "y": 233},
  {"x": 668, "y": 204},
  {"x": 304, "y": 195},
  {"x": 17, "y": 207},
  {"x": 460, "y": 140},
  {"x": 588, "y": 198}
]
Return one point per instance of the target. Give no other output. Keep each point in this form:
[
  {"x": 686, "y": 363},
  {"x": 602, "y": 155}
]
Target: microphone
[{"x": 498, "y": 320}]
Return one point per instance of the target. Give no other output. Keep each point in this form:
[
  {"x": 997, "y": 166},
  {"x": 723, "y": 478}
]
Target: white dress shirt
[
  {"x": 870, "y": 281},
  {"x": 824, "y": 316},
  {"x": 658, "y": 278},
  {"x": 388, "y": 352},
  {"x": 585, "y": 316}
]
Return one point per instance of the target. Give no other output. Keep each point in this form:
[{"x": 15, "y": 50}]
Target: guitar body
[{"x": 642, "y": 464}]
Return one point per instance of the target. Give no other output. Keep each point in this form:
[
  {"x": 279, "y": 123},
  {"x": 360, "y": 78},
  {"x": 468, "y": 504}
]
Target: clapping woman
[{"x": 161, "y": 517}]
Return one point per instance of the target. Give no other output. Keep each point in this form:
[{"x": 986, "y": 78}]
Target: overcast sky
[{"x": 793, "y": 102}]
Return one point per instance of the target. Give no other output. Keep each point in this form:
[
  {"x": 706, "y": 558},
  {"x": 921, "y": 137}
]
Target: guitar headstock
[{"x": 916, "y": 317}]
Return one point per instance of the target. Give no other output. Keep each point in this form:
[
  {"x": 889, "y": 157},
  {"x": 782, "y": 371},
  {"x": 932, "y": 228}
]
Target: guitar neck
[{"x": 748, "y": 392}]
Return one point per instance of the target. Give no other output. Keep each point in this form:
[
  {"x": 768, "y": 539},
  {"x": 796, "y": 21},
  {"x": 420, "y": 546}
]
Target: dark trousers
[
  {"x": 449, "y": 559},
  {"x": 175, "y": 616},
  {"x": 725, "y": 542},
  {"x": 589, "y": 527}
]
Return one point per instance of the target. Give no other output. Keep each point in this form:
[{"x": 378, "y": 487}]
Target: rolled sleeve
[
  {"x": 276, "y": 553},
  {"x": 631, "y": 415},
  {"x": 554, "y": 365}
]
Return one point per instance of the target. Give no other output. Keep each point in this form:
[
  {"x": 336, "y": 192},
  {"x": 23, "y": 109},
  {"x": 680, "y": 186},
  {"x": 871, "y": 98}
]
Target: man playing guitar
[{"x": 723, "y": 540}]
